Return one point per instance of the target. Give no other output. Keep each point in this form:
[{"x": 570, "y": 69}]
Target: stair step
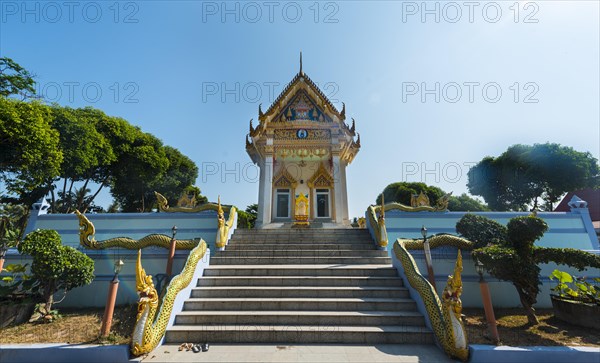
[
  {"x": 341, "y": 304},
  {"x": 299, "y": 291},
  {"x": 269, "y": 253},
  {"x": 299, "y": 334},
  {"x": 327, "y": 231},
  {"x": 299, "y": 281},
  {"x": 304, "y": 241},
  {"x": 300, "y": 286},
  {"x": 299, "y": 246},
  {"x": 261, "y": 317},
  {"x": 259, "y": 260},
  {"x": 301, "y": 270}
]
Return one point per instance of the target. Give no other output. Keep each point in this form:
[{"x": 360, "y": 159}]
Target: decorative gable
[
  {"x": 302, "y": 108},
  {"x": 321, "y": 178},
  {"x": 302, "y": 123},
  {"x": 284, "y": 179}
]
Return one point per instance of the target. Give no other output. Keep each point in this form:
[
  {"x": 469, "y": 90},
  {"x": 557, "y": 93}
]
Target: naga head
[
  {"x": 86, "y": 230},
  {"x": 442, "y": 203},
  {"x": 144, "y": 285},
  {"x": 163, "y": 203},
  {"x": 220, "y": 213},
  {"x": 453, "y": 290}
]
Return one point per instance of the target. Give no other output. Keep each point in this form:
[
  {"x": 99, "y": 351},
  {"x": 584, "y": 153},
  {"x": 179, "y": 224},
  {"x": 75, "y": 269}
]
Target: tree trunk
[
  {"x": 87, "y": 205},
  {"x": 49, "y": 297},
  {"x": 70, "y": 199},
  {"x": 64, "y": 187},
  {"x": 53, "y": 206},
  {"x": 529, "y": 310},
  {"x": 81, "y": 198}
]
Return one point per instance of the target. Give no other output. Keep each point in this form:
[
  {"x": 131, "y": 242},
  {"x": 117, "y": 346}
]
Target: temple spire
[{"x": 301, "y": 72}]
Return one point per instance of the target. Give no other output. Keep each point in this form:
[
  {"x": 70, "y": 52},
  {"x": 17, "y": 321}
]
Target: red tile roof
[{"x": 591, "y": 196}]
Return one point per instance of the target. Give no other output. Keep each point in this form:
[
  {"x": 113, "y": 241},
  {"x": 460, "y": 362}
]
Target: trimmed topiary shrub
[
  {"x": 514, "y": 257},
  {"x": 55, "y": 267},
  {"x": 481, "y": 231}
]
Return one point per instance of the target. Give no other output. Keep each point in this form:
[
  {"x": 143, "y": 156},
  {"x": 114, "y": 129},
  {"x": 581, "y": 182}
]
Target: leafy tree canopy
[
  {"x": 30, "y": 152},
  {"x": 523, "y": 174},
  {"x": 42, "y": 147},
  {"x": 15, "y": 80}
]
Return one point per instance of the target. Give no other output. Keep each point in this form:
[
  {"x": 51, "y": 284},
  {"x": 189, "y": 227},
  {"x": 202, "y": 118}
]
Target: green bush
[
  {"x": 480, "y": 230},
  {"x": 55, "y": 267}
]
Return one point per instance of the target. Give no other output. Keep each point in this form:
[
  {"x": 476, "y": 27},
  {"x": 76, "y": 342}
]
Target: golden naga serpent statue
[
  {"x": 163, "y": 206},
  {"x": 224, "y": 227},
  {"x": 376, "y": 213},
  {"x": 445, "y": 315},
  {"x": 150, "y": 327},
  {"x": 154, "y": 312},
  {"x": 440, "y": 206},
  {"x": 87, "y": 232}
]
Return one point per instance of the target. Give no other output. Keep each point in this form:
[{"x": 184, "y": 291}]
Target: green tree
[
  {"x": 137, "y": 170},
  {"x": 177, "y": 179},
  {"x": 247, "y": 218},
  {"x": 87, "y": 155},
  {"x": 464, "y": 203},
  {"x": 513, "y": 257},
  {"x": 15, "y": 80},
  {"x": 55, "y": 267},
  {"x": 12, "y": 224},
  {"x": 523, "y": 174},
  {"x": 30, "y": 153}
]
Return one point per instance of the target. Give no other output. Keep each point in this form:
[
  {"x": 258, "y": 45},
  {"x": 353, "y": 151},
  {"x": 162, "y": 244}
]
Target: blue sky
[{"x": 193, "y": 73}]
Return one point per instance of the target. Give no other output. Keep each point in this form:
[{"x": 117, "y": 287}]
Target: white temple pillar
[
  {"x": 338, "y": 192},
  {"x": 344, "y": 192},
  {"x": 265, "y": 192}
]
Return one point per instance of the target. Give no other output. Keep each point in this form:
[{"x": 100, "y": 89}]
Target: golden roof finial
[
  {"x": 343, "y": 113},
  {"x": 301, "y": 72}
]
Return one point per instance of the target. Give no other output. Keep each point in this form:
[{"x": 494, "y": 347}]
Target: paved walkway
[{"x": 302, "y": 353}]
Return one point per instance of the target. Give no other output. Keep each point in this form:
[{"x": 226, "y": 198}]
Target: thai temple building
[{"x": 302, "y": 145}]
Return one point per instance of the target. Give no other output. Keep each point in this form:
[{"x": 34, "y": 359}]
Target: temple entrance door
[
  {"x": 323, "y": 203},
  {"x": 282, "y": 203}
]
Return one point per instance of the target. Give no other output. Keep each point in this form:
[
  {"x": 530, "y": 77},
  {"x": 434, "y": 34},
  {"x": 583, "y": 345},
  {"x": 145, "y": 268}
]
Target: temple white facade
[{"x": 302, "y": 146}]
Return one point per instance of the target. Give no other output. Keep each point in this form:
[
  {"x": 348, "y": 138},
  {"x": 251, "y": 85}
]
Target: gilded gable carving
[
  {"x": 321, "y": 178},
  {"x": 302, "y": 108},
  {"x": 284, "y": 179}
]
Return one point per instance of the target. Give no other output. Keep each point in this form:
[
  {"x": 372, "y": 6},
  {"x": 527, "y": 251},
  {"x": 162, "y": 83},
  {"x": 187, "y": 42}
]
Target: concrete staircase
[{"x": 300, "y": 286}]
